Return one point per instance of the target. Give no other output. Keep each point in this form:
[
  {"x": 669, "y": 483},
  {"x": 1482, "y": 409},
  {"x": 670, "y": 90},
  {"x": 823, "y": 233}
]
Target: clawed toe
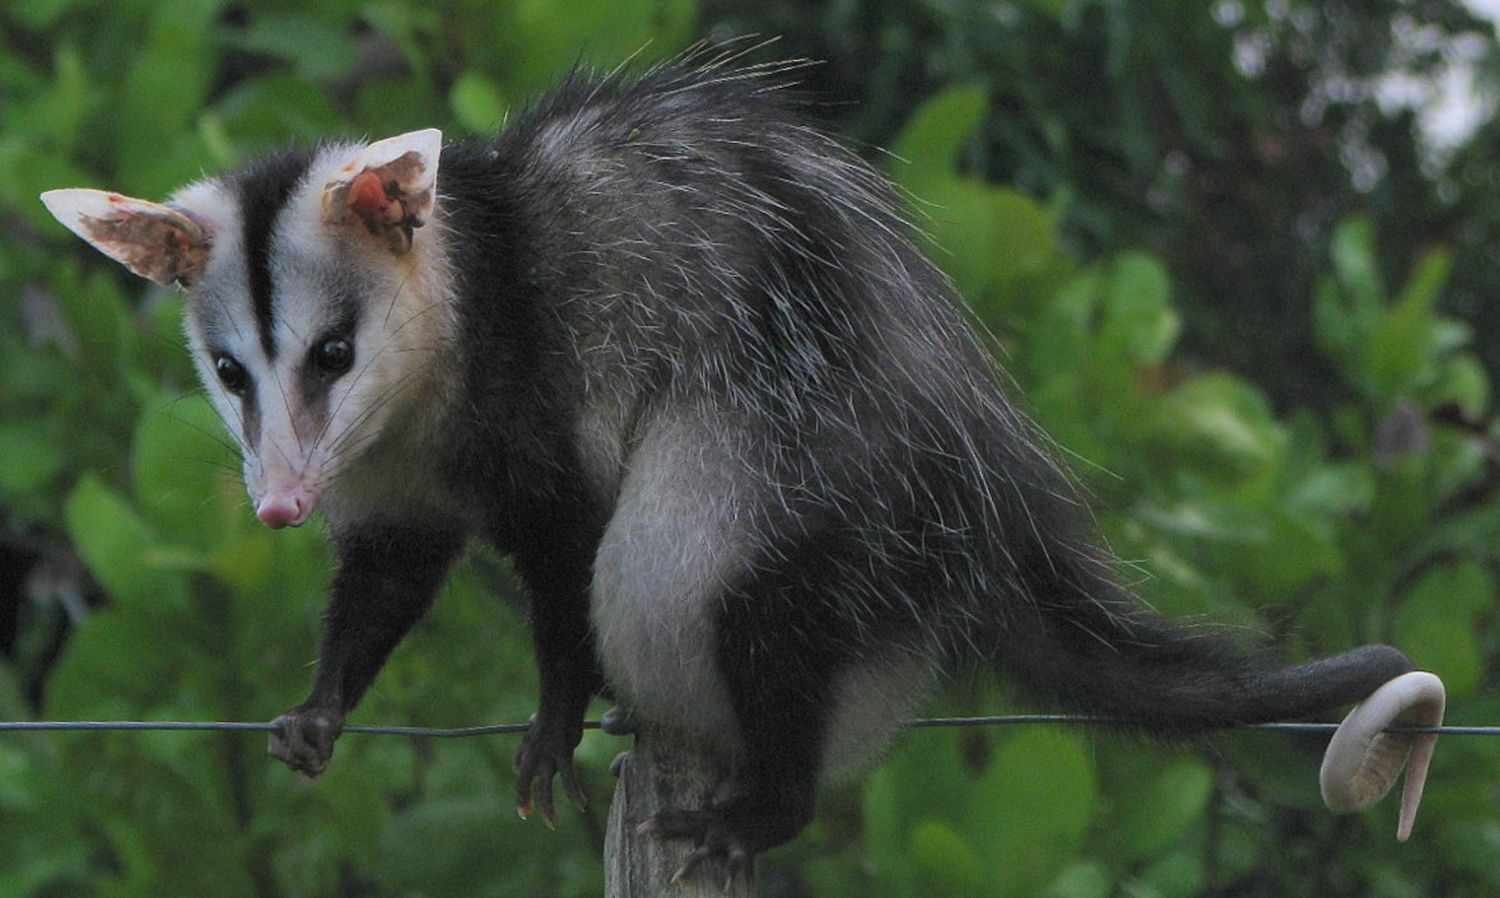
[
  {"x": 545, "y": 753},
  {"x": 714, "y": 839}
]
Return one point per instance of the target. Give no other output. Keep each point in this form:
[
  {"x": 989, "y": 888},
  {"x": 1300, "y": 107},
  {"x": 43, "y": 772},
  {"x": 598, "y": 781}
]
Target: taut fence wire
[{"x": 513, "y": 728}]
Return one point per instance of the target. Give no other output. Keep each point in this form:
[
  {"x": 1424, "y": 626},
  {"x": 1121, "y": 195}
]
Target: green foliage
[{"x": 1370, "y": 516}]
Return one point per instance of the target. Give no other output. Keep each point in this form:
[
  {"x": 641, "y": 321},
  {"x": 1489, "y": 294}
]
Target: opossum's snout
[
  {"x": 286, "y": 508},
  {"x": 285, "y": 482}
]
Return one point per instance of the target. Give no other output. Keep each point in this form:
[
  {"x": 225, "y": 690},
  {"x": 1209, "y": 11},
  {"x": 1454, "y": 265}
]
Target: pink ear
[
  {"x": 389, "y": 188},
  {"x": 154, "y": 241}
]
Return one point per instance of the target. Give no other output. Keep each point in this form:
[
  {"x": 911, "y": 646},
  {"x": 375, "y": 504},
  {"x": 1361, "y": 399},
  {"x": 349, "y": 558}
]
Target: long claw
[
  {"x": 1363, "y": 761},
  {"x": 571, "y": 787},
  {"x": 544, "y": 800}
]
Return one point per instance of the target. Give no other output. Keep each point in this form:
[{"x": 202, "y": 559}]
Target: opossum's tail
[{"x": 1102, "y": 651}]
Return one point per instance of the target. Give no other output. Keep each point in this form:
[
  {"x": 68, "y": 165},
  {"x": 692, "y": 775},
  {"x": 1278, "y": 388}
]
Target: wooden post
[{"x": 661, "y": 772}]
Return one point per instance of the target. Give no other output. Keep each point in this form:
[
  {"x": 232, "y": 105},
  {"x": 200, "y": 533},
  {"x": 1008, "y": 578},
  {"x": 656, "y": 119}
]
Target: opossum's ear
[
  {"x": 158, "y": 242},
  {"x": 389, "y": 187}
]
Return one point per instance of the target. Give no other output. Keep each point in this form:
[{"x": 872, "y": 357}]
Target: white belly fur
[{"x": 678, "y": 535}]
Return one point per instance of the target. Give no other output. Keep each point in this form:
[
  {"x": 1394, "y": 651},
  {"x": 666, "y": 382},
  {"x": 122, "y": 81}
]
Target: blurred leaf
[
  {"x": 29, "y": 458},
  {"x": 1139, "y": 322},
  {"x": 1219, "y": 421},
  {"x": 1154, "y": 815},
  {"x": 278, "y": 108},
  {"x": 168, "y": 80},
  {"x": 445, "y": 847},
  {"x": 1463, "y": 382},
  {"x": 945, "y": 864},
  {"x": 316, "y": 49},
  {"x": 1353, "y": 252},
  {"x": 547, "y": 38},
  {"x": 94, "y": 312},
  {"x": 40, "y": 14},
  {"x": 1032, "y": 809},
  {"x": 1087, "y": 879},
  {"x": 396, "y": 105},
  {"x": 408, "y": 25},
  {"x": 928, "y": 147},
  {"x": 477, "y": 103},
  {"x": 1426, "y": 283},
  {"x": 891, "y": 866},
  {"x": 183, "y": 462},
  {"x": 1436, "y": 624},
  {"x": 113, "y": 541},
  {"x": 1178, "y": 875}
]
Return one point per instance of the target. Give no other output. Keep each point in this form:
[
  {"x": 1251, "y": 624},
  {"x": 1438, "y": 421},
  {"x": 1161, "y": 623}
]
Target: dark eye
[
  {"x": 231, "y": 373},
  {"x": 334, "y": 355}
]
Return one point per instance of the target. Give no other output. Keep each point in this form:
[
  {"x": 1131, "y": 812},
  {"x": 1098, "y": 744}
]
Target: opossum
[{"x": 676, "y": 352}]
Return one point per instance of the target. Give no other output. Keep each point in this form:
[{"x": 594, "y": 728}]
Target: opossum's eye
[
  {"x": 334, "y": 356},
  {"x": 231, "y": 373}
]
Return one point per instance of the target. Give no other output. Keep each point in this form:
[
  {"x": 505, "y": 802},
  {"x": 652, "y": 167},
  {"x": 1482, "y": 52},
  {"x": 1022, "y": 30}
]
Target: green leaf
[
  {"x": 1178, "y": 875},
  {"x": 546, "y": 38},
  {"x": 1463, "y": 382},
  {"x": 477, "y": 103},
  {"x": 185, "y": 471},
  {"x": 168, "y": 81},
  {"x": 929, "y": 145},
  {"x": 1087, "y": 879},
  {"x": 279, "y": 108},
  {"x": 1057, "y": 345},
  {"x": 95, "y": 314},
  {"x": 444, "y": 847},
  {"x": 113, "y": 540},
  {"x": 945, "y": 864},
  {"x": 1139, "y": 321},
  {"x": 316, "y": 49},
  {"x": 396, "y": 105},
  {"x": 1025, "y": 239},
  {"x": 1152, "y": 816},
  {"x": 1220, "y": 422},
  {"x": 1354, "y": 260},
  {"x": 40, "y": 14},
  {"x": 885, "y": 821},
  {"x": 1437, "y": 624},
  {"x": 29, "y": 458},
  {"x": 1032, "y": 809},
  {"x": 1426, "y": 283}
]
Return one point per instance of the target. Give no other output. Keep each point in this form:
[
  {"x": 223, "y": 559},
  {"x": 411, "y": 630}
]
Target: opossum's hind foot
[
  {"x": 303, "y": 738},
  {"x": 545, "y": 752},
  {"x": 714, "y": 838},
  {"x": 730, "y": 832}
]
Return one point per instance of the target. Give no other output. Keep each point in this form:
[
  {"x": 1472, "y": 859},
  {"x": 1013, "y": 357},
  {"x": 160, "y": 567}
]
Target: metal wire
[{"x": 514, "y": 728}]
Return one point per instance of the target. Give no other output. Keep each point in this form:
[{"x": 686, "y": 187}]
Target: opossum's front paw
[
  {"x": 547, "y": 751},
  {"x": 303, "y": 737}
]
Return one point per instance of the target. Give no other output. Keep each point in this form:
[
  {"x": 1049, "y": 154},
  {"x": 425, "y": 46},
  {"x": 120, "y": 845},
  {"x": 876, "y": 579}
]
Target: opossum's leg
[
  {"x": 570, "y": 675},
  {"x": 768, "y": 801},
  {"x": 386, "y": 580},
  {"x": 778, "y": 682}
]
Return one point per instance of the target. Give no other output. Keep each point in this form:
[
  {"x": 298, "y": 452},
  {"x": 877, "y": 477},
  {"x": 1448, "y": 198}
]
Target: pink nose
[{"x": 284, "y": 509}]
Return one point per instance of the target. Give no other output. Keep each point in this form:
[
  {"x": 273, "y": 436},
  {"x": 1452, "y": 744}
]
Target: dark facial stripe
[{"x": 264, "y": 187}]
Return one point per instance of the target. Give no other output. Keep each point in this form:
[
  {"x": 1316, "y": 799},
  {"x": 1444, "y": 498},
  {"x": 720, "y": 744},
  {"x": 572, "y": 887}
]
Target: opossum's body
[{"x": 676, "y": 353}]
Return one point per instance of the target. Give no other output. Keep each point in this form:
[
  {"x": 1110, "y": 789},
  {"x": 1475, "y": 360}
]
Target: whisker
[{"x": 286, "y": 403}]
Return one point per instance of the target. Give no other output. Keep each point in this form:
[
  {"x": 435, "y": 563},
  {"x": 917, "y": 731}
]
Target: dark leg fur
[
  {"x": 386, "y": 581},
  {"x": 570, "y": 676},
  {"x": 777, "y": 681}
]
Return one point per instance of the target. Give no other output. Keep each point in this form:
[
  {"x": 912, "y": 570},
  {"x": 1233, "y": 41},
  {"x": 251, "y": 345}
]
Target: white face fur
[{"x": 317, "y": 301}]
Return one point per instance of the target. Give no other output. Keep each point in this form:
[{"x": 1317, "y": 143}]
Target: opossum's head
[{"x": 317, "y": 301}]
